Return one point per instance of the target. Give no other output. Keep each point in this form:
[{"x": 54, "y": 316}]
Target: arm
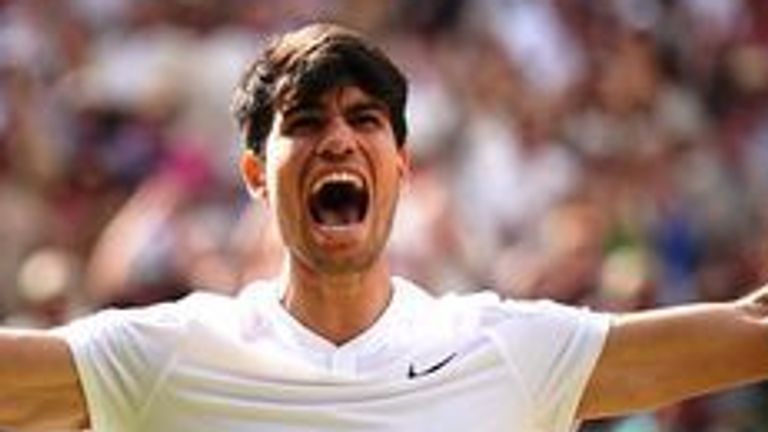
[
  {"x": 659, "y": 357},
  {"x": 39, "y": 386}
]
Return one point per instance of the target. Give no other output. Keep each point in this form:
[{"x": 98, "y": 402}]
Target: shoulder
[
  {"x": 486, "y": 309},
  {"x": 160, "y": 321},
  {"x": 226, "y": 314}
]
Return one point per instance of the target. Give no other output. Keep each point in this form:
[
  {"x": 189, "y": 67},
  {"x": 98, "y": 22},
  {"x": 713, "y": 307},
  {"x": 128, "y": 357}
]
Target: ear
[
  {"x": 254, "y": 174},
  {"x": 403, "y": 161}
]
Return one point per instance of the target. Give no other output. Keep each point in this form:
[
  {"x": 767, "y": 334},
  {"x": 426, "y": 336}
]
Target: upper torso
[{"x": 244, "y": 364}]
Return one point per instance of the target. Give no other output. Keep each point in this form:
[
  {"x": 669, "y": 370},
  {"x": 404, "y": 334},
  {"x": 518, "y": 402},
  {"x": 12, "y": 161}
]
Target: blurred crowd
[{"x": 608, "y": 153}]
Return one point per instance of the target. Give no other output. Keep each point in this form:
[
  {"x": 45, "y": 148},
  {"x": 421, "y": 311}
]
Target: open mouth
[{"x": 338, "y": 200}]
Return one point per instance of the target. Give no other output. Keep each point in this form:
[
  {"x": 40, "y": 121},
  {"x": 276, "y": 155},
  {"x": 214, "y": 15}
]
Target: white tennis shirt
[{"x": 233, "y": 364}]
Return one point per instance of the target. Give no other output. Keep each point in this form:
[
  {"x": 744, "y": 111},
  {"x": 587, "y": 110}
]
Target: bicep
[
  {"x": 659, "y": 357},
  {"x": 39, "y": 385}
]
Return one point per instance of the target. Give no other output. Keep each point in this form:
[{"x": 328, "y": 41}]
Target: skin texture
[
  {"x": 658, "y": 357},
  {"x": 39, "y": 387},
  {"x": 337, "y": 283}
]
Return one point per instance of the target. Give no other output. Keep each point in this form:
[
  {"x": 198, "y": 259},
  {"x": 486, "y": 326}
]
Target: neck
[{"x": 338, "y": 307}]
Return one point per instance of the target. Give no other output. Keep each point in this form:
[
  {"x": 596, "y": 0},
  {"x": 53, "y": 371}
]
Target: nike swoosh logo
[{"x": 413, "y": 373}]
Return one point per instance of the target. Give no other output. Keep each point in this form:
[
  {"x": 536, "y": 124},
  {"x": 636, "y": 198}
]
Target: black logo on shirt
[{"x": 413, "y": 373}]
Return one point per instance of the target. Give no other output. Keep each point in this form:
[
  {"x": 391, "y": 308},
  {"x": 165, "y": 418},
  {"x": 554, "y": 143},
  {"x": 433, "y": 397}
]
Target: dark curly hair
[{"x": 302, "y": 65}]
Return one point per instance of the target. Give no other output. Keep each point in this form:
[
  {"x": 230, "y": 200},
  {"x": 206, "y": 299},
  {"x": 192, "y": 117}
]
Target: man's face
[{"x": 333, "y": 174}]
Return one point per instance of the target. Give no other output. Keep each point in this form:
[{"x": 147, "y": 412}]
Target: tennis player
[{"x": 337, "y": 343}]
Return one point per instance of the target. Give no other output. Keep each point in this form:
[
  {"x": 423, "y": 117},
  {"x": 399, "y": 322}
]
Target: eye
[
  {"x": 366, "y": 120},
  {"x": 303, "y": 124}
]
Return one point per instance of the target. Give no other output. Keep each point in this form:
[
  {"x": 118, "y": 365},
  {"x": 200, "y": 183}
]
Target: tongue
[{"x": 338, "y": 217}]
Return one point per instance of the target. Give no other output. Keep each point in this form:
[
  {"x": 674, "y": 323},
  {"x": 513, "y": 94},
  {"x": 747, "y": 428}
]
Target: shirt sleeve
[
  {"x": 121, "y": 356},
  {"x": 553, "y": 349}
]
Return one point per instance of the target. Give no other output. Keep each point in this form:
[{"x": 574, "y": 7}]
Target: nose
[{"x": 339, "y": 140}]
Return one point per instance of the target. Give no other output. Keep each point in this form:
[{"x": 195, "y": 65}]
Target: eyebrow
[
  {"x": 368, "y": 105},
  {"x": 301, "y": 108},
  {"x": 315, "y": 107}
]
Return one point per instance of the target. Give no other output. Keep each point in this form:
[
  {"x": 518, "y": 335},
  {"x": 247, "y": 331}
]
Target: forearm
[
  {"x": 705, "y": 347},
  {"x": 658, "y": 357}
]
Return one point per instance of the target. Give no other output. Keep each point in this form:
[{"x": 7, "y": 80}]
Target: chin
[{"x": 348, "y": 260}]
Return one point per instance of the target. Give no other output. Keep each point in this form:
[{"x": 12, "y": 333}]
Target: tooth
[{"x": 339, "y": 176}]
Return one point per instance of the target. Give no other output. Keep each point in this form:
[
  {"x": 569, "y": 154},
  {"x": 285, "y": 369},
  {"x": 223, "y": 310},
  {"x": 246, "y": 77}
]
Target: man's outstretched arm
[
  {"x": 658, "y": 357},
  {"x": 39, "y": 386}
]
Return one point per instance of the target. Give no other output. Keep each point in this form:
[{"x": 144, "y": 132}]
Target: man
[{"x": 337, "y": 343}]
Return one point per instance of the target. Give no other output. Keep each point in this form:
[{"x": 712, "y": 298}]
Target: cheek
[
  {"x": 282, "y": 189},
  {"x": 278, "y": 157},
  {"x": 283, "y": 178},
  {"x": 389, "y": 176}
]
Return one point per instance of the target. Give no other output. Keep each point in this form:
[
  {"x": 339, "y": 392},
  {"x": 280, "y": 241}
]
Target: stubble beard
[{"x": 360, "y": 262}]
